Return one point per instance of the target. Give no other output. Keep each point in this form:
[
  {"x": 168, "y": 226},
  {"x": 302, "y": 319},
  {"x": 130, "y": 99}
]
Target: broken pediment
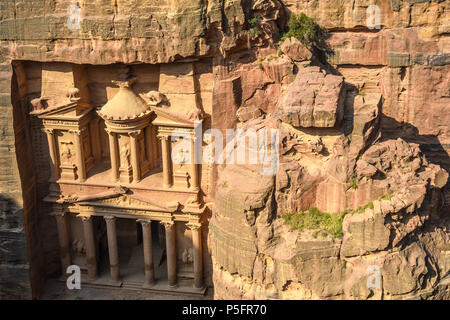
[
  {"x": 73, "y": 111},
  {"x": 165, "y": 117}
]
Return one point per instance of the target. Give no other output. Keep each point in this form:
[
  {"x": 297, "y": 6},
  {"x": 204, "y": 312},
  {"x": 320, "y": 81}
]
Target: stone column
[
  {"x": 113, "y": 154},
  {"x": 196, "y": 229},
  {"x": 171, "y": 252},
  {"x": 53, "y": 156},
  {"x": 81, "y": 165},
  {"x": 194, "y": 167},
  {"x": 89, "y": 242},
  {"x": 148, "y": 253},
  {"x": 149, "y": 145},
  {"x": 135, "y": 156},
  {"x": 64, "y": 238},
  {"x": 95, "y": 140},
  {"x": 167, "y": 181},
  {"x": 112, "y": 247},
  {"x": 155, "y": 148}
]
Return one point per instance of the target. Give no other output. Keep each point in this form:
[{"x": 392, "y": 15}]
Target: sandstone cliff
[{"x": 374, "y": 116}]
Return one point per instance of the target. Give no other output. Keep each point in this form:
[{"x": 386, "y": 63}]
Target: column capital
[
  {"x": 85, "y": 217},
  {"x": 167, "y": 223},
  {"x": 163, "y": 137},
  {"x": 49, "y": 131},
  {"x": 109, "y": 218},
  {"x": 144, "y": 222},
  {"x": 58, "y": 213},
  {"x": 134, "y": 134},
  {"x": 109, "y": 131},
  {"x": 194, "y": 226}
]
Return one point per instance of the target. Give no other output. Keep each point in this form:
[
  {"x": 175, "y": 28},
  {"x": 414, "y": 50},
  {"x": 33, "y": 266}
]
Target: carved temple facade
[{"x": 115, "y": 188}]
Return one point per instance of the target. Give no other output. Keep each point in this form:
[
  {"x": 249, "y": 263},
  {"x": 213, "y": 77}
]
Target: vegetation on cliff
[
  {"x": 325, "y": 223},
  {"x": 305, "y": 29},
  {"x": 319, "y": 222}
]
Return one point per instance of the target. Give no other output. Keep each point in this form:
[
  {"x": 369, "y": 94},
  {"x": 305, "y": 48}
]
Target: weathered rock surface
[
  {"x": 295, "y": 50},
  {"x": 390, "y": 187},
  {"x": 314, "y": 99},
  {"x": 395, "y": 82}
]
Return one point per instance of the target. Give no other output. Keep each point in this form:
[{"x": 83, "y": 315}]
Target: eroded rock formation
[
  {"x": 365, "y": 131},
  {"x": 389, "y": 189}
]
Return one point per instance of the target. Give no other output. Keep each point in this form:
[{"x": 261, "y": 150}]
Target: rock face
[
  {"x": 396, "y": 193},
  {"x": 295, "y": 50},
  {"x": 367, "y": 131},
  {"x": 313, "y": 99}
]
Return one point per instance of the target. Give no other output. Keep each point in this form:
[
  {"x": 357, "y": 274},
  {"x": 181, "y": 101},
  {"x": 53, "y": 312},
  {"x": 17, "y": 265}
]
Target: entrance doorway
[{"x": 131, "y": 252}]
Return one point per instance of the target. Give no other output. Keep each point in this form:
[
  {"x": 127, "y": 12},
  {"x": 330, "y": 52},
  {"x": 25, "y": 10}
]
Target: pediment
[
  {"x": 120, "y": 199},
  {"x": 73, "y": 111},
  {"x": 168, "y": 118}
]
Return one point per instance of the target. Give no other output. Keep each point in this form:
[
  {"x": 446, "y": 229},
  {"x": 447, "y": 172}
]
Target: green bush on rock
[{"x": 305, "y": 29}]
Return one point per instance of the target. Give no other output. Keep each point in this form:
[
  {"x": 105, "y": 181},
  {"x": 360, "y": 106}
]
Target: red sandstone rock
[
  {"x": 313, "y": 99},
  {"x": 295, "y": 50}
]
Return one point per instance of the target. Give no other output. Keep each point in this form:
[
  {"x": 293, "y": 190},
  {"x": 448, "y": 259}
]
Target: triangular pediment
[{"x": 120, "y": 199}]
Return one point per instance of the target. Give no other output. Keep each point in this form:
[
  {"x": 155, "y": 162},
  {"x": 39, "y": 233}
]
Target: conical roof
[{"x": 125, "y": 105}]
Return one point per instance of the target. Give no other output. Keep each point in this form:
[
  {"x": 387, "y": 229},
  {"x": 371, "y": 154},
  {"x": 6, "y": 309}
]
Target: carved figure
[
  {"x": 157, "y": 99},
  {"x": 125, "y": 155},
  {"x": 39, "y": 104},
  {"x": 73, "y": 94},
  {"x": 66, "y": 151},
  {"x": 187, "y": 256}
]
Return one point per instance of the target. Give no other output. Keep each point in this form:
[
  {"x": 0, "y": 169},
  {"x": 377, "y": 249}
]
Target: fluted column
[
  {"x": 148, "y": 253},
  {"x": 112, "y": 247},
  {"x": 165, "y": 155},
  {"x": 196, "y": 229},
  {"x": 135, "y": 156},
  {"x": 89, "y": 241},
  {"x": 171, "y": 252},
  {"x": 194, "y": 167},
  {"x": 53, "y": 156},
  {"x": 113, "y": 153},
  {"x": 64, "y": 238},
  {"x": 81, "y": 165}
]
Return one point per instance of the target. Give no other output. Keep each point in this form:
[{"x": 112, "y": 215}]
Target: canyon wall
[{"x": 391, "y": 93}]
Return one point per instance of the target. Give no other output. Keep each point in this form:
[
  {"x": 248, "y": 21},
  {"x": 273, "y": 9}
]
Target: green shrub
[
  {"x": 387, "y": 196},
  {"x": 361, "y": 93},
  {"x": 254, "y": 28},
  {"x": 353, "y": 184},
  {"x": 363, "y": 208},
  {"x": 305, "y": 29},
  {"x": 317, "y": 221}
]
